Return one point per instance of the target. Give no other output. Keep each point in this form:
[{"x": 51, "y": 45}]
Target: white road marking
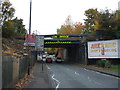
[
  {"x": 89, "y": 79},
  {"x": 86, "y": 69},
  {"x": 48, "y": 66},
  {"x": 77, "y": 73},
  {"x": 56, "y": 81}
]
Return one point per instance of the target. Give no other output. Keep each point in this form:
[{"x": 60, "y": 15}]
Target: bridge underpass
[
  {"x": 74, "y": 50},
  {"x": 72, "y": 53}
]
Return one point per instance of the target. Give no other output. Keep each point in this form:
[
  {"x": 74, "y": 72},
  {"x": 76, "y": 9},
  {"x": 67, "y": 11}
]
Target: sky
[{"x": 48, "y": 15}]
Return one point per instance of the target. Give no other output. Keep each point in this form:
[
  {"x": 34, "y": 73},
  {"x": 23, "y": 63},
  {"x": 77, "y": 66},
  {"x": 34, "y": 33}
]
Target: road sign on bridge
[
  {"x": 56, "y": 40},
  {"x": 64, "y": 35}
]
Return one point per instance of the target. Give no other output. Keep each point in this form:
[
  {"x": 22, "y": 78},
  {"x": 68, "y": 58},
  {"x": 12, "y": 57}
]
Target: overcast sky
[{"x": 48, "y": 15}]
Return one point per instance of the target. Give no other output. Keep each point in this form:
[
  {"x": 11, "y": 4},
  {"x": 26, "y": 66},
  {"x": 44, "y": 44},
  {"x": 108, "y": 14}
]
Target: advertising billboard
[{"x": 104, "y": 49}]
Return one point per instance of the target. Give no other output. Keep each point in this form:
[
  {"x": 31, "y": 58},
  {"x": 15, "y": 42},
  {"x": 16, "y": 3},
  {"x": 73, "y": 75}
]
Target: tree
[
  {"x": 7, "y": 11},
  {"x": 91, "y": 15},
  {"x": 106, "y": 20},
  {"x": 70, "y": 28},
  {"x": 78, "y": 27},
  {"x": 8, "y": 29},
  {"x": 12, "y": 28},
  {"x": 117, "y": 20},
  {"x": 19, "y": 27},
  {"x": 65, "y": 29},
  {"x": 68, "y": 21}
]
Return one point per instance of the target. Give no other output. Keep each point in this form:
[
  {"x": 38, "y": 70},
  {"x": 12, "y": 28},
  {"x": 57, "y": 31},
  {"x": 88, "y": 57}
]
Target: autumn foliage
[{"x": 70, "y": 28}]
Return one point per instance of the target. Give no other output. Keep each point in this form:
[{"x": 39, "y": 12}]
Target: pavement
[{"x": 41, "y": 78}]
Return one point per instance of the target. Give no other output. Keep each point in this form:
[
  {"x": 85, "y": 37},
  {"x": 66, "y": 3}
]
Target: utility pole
[
  {"x": 29, "y": 34},
  {"x": 119, "y": 5},
  {"x": 30, "y": 17}
]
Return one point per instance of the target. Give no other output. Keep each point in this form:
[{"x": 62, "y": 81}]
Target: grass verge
[{"x": 115, "y": 68}]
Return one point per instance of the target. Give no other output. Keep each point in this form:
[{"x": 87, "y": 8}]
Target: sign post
[
  {"x": 29, "y": 42},
  {"x": 39, "y": 45}
]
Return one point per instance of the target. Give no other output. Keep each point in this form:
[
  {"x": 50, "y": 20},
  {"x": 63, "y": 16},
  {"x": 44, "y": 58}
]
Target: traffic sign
[{"x": 39, "y": 43}]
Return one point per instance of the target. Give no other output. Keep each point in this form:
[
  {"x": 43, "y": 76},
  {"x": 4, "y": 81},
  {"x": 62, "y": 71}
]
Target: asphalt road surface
[{"x": 73, "y": 76}]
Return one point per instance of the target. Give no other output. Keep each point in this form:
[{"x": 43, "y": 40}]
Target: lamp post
[
  {"x": 30, "y": 17},
  {"x": 29, "y": 34}
]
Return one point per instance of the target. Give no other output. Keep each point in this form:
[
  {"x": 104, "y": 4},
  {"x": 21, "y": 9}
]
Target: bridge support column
[{"x": 76, "y": 54}]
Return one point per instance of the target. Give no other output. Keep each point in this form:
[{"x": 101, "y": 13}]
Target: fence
[{"x": 15, "y": 69}]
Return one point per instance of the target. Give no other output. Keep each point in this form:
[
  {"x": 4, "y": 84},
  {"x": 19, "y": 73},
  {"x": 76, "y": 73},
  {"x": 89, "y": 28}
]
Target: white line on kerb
[{"x": 56, "y": 81}]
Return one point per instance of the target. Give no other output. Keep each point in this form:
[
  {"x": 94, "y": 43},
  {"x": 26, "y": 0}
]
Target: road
[{"x": 73, "y": 76}]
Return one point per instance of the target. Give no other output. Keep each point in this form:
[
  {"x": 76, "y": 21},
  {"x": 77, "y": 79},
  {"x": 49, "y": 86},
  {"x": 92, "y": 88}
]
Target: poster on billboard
[
  {"x": 104, "y": 49},
  {"x": 39, "y": 43}
]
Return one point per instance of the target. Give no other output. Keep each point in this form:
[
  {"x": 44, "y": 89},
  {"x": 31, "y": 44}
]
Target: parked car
[
  {"x": 53, "y": 57},
  {"x": 48, "y": 59},
  {"x": 44, "y": 58},
  {"x": 58, "y": 59},
  {"x": 39, "y": 58}
]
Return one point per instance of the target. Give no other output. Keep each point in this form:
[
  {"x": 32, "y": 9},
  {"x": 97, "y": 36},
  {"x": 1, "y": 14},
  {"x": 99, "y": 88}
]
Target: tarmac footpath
[{"x": 40, "y": 79}]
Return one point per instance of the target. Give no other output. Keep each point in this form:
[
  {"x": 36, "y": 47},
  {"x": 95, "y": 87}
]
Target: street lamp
[
  {"x": 30, "y": 17},
  {"x": 29, "y": 34}
]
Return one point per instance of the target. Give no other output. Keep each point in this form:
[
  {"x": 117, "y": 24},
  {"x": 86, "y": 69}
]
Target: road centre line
[{"x": 56, "y": 81}]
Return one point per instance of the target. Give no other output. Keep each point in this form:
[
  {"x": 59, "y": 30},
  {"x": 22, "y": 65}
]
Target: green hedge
[{"x": 104, "y": 63}]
